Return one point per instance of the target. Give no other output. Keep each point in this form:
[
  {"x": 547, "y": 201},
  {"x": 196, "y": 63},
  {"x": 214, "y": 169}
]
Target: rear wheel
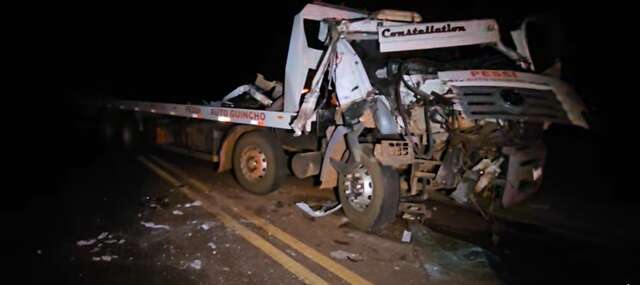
[
  {"x": 259, "y": 164},
  {"x": 370, "y": 194}
]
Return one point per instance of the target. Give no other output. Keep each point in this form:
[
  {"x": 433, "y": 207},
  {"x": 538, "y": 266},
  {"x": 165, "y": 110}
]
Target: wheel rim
[
  {"x": 359, "y": 189},
  {"x": 253, "y": 163}
]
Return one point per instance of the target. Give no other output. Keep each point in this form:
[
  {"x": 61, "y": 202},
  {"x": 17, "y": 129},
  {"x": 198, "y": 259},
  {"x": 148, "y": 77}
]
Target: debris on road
[
  {"x": 111, "y": 241},
  {"x": 290, "y": 252},
  {"x": 341, "y": 242},
  {"x": 106, "y": 258},
  {"x": 406, "y": 236},
  {"x": 121, "y": 241},
  {"x": 177, "y": 212},
  {"x": 154, "y": 226},
  {"x": 196, "y": 264},
  {"x": 211, "y": 245},
  {"x": 196, "y": 203},
  {"x": 450, "y": 259},
  {"x": 206, "y": 226},
  {"x": 344, "y": 255},
  {"x": 103, "y": 235},
  {"x": 86, "y": 242},
  {"x": 343, "y": 222},
  {"x": 324, "y": 211}
]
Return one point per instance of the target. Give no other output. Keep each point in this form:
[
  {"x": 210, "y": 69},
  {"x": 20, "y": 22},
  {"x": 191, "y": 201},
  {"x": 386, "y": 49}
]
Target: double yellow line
[{"x": 276, "y": 254}]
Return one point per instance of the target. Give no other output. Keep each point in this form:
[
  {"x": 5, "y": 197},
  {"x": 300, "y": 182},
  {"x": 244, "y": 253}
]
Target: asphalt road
[
  {"x": 125, "y": 218},
  {"x": 101, "y": 231}
]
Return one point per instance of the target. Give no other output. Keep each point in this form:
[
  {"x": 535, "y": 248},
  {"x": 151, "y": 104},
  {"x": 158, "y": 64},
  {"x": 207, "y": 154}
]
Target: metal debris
[
  {"x": 106, "y": 258},
  {"x": 342, "y": 255},
  {"x": 196, "y": 264},
  {"x": 154, "y": 226},
  {"x": 206, "y": 226},
  {"x": 196, "y": 203},
  {"x": 85, "y": 242},
  {"x": 406, "y": 236},
  {"x": 324, "y": 211}
]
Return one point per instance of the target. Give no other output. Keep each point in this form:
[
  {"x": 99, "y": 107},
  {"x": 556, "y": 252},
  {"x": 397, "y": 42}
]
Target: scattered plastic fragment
[
  {"x": 211, "y": 245},
  {"x": 103, "y": 235},
  {"x": 196, "y": 264},
  {"x": 206, "y": 226},
  {"x": 324, "y": 211},
  {"x": 406, "y": 236},
  {"x": 106, "y": 258},
  {"x": 154, "y": 226},
  {"x": 177, "y": 212},
  {"x": 85, "y": 242},
  {"x": 194, "y": 204},
  {"x": 121, "y": 241},
  {"x": 342, "y": 255}
]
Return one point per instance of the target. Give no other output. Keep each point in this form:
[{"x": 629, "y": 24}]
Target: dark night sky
[{"x": 161, "y": 50}]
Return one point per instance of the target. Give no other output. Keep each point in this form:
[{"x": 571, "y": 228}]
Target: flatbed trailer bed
[{"x": 271, "y": 119}]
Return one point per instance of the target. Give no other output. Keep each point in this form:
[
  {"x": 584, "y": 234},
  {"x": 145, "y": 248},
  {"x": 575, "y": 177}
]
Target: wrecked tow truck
[{"x": 372, "y": 111}]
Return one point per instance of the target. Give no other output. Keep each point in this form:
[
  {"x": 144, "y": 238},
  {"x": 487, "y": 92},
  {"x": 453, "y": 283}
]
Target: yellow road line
[
  {"x": 321, "y": 259},
  {"x": 303, "y": 273}
]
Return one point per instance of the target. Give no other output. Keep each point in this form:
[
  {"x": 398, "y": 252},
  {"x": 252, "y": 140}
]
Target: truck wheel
[
  {"x": 259, "y": 163},
  {"x": 370, "y": 194}
]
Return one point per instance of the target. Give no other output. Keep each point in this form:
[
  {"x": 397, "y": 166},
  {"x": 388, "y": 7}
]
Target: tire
[
  {"x": 383, "y": 205},
  {"x": 259, "y": 163}
]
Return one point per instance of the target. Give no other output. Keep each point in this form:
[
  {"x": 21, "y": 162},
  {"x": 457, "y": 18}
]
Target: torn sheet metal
[
  {"x": 154, "y": 226},
  {"x": 324, "y": 211},
  {"x": 352, "y": 82},
  {"x": 307, "y": 110},
  {"x": 251, "y": 89},
  {"x": 85, "y": 242},
  {"x": 300, "y": 57}
]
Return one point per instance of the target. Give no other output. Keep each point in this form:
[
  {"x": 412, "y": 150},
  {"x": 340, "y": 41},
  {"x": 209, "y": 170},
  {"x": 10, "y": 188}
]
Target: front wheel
[
  {"x": 370, "y": 194},
  {"x": 259, "y": 163}
]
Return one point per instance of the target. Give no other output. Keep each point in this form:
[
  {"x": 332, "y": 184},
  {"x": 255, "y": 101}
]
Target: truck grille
[{"x": 511, "y": 104}]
